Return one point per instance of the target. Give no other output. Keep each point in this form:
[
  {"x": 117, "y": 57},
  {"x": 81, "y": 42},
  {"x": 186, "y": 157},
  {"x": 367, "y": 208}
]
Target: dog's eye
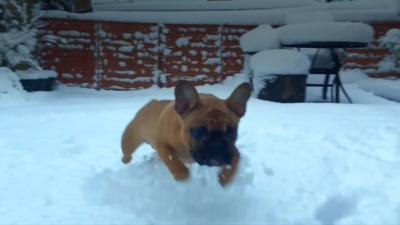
[
  {"x": 231, "y": 133},
  {"x": 198, "y": 132}
]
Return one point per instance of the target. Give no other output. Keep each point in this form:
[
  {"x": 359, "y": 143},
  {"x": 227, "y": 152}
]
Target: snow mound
[
  {"x": 10, "y": 87},
  {"x": 279, "y": 61},
  {"x": 150, "y": 195},
  {"x": 352, "y": 76},
  {"x": 261, "y": 38},
  {"x": 385, "y": 88},
  {"x": 308, "y": 17},
  {"x": 326, "y": 31}
]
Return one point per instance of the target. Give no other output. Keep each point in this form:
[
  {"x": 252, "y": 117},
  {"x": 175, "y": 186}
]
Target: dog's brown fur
[{"x": 165, "y": 125}]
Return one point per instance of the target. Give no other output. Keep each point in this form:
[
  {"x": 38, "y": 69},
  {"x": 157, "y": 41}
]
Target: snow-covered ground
[{"x": 309, "y": 163}]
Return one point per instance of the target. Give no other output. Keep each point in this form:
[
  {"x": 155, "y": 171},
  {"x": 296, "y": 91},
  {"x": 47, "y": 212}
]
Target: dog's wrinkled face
[
  {"x": 211, "y": 124},
  {"x": 213, "y": 142}
]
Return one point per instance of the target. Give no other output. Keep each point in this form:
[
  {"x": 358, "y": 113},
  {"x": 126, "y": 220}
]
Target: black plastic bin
[
  {"x": 284, "y": 88},
  {"x": 44, "y": 84}
]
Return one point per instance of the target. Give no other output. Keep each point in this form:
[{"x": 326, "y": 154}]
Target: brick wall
[
  {"x": 127, "y": 55},
  {"x": 73, "y": 56},
  {"x": 115, "y": 55}
]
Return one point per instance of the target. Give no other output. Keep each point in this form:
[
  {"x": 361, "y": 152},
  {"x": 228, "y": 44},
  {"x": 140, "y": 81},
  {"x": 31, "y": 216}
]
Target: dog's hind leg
[{"x": 131, "y": 140}]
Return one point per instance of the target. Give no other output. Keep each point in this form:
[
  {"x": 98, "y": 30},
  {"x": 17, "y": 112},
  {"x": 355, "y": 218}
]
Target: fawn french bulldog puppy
[{"x": 193, "y": 127}]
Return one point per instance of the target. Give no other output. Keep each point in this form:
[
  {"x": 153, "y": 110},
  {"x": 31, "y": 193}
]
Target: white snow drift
[{"x": 301, "y": 164}]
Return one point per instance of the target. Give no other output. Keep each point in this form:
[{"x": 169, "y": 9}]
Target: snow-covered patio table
[
  {"x": 332, "y": 66},
  {"x": 331, "y": 36},
  {"x": 280, "y": 75}
]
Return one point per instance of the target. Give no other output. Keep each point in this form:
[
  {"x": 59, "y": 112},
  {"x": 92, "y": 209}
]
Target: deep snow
[{"x": 311, "y": 163}]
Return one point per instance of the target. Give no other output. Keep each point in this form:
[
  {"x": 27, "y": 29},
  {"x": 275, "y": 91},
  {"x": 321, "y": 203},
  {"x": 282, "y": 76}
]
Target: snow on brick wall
[
  {"x": 128, "y": 55},
  {"x": 116, "y": 55},
  {"x": 192, "y": 52},
  {"x": 72, "y": 56},
  {"x": 232, "y": 55}
]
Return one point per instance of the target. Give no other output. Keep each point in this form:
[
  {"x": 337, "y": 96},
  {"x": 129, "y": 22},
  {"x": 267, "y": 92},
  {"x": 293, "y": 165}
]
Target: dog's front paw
[
  {"x": 126, "y": 159},
  {"x": 226, "y": 175},
  {"x": 224, "y": 179},
  {"x": 182, "y": 175}
]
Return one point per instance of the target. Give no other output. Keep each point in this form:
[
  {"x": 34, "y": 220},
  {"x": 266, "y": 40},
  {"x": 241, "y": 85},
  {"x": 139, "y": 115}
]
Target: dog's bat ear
[
  {"x": 186, "y": 98},
  {"x": 238, "y": 99}
]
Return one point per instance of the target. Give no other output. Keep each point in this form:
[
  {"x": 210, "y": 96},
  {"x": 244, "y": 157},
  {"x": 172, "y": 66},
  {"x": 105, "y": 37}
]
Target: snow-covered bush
[
  {"x": 18, "y": 27},
  {"x": 391, "y": 40}
]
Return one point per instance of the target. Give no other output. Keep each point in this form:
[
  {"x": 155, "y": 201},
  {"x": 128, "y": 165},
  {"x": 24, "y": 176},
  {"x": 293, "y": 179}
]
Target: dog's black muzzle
[{"x": 213, "y": 151}]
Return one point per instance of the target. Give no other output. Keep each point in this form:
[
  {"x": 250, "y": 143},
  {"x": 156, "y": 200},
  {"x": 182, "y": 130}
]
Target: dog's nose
[
  {"x": 227, "y": 159},
  {"x": 218, "y": 145}
]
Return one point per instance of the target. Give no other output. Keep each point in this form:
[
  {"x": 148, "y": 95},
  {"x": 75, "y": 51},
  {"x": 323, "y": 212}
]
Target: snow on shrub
[
  {"x": 18, "y": 22},
  {"x": 261, "y": 38},
  {"x": 391, "y": 40}
]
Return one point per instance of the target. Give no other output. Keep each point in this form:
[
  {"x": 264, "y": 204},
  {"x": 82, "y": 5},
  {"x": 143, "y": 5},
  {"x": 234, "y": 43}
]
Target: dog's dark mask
[{"x": 213, "y": 148}]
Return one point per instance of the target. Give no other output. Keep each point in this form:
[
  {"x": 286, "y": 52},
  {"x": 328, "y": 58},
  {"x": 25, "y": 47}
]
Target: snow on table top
[
  {"x": 279, "y": 61},
  {"x": 260, "y": 38},
  {"x": 342, "y": 11},
  {"x": 325, "y": 32}
]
